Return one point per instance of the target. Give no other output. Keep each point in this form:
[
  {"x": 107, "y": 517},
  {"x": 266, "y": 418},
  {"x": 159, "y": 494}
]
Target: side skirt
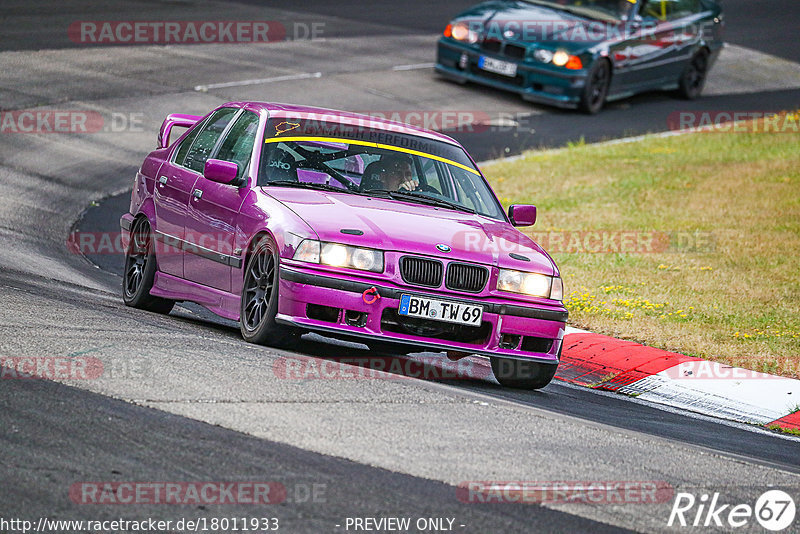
[{"x": 217, "y": 301}]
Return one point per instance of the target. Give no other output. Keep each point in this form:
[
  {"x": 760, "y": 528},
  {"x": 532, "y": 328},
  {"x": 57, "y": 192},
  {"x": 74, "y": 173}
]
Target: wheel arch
[
  {"x": 254, "y": 240},
  {"x": 611, "y": 74},
  {"x": 611, "y": 65},
  {"x": 147, "y": 212},
  {"x": 147, "y": 209}
]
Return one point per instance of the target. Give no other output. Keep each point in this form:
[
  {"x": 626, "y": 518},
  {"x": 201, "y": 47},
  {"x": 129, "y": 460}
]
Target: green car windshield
[
  {"x": 602, "y": 9},
  {"x": 301, "y": 152}
]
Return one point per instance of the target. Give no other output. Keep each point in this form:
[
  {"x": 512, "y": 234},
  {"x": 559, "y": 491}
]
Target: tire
[
  {"x": 140, "y": 270},
  {"x": 595, "y": 92},
  {"x": 521, "y": 374},
  {"x": 693, "y": 78},
  {"x": 259, "y": 300}
]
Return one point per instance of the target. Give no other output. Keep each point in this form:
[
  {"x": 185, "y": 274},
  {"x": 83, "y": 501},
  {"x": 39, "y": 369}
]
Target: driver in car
[{"x": 398, "y": 174}]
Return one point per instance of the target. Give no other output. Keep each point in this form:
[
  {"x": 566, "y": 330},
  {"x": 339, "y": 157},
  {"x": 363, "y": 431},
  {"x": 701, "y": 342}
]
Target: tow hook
[{"x": 371, "y": 295}]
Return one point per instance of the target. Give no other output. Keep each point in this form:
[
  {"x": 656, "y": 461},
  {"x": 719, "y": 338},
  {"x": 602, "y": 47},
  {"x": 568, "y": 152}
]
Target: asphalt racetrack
[{"x": 184, "y": 399}]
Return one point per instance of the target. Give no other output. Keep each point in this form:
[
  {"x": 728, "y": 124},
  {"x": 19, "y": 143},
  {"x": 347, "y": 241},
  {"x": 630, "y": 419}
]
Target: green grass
[
  {"x": 790, "y": 431},
  {"x": 734, "y": 299}
]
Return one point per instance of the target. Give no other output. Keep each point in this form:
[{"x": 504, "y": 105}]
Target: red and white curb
[{"x": 680, "y": 381}]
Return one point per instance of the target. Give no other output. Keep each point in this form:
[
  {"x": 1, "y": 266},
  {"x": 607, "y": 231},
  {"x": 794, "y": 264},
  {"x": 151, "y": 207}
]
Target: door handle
[
  {"x": 162, "y": 181},
  {"x": 197, "y": 194}
]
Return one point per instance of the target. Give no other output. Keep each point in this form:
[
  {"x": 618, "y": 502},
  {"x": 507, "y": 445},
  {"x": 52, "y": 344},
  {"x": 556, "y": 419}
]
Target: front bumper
[
  {"x": 536, "y": 84},
  {"x": 346, "y": 312}
]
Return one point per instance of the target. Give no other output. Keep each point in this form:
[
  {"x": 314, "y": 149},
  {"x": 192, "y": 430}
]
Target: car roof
[{"x": 279, "y": 110}]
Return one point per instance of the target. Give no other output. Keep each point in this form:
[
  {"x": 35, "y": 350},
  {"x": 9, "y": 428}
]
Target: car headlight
[
  {"x": 338, "y": 255},
  {"x": 460, "y": 31},
  {"x": 533, "y": 284},
  {"x": 562, "y": 59}
]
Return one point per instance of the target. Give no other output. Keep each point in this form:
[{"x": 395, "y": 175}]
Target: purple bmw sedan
[{"x": 292, "y": 219}]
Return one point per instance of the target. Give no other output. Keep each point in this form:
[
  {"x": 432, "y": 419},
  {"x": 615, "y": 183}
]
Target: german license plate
[
  {"x": 440, "y": 310},
  {"x": 506, "y": 68}
]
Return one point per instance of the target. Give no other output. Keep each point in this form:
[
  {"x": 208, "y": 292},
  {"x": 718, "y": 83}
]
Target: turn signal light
[{"x": 574, "y": 63}]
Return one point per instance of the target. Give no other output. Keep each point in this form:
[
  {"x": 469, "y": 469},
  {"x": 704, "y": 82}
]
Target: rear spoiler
[{"x": 175, "y": 119}]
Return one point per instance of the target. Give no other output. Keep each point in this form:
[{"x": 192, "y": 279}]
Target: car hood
[
  {"x": 536, "y": 24},
  {"x": 405, "y": 227}
]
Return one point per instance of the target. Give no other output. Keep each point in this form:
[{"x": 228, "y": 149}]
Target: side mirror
[
  {"x": 522, "y": 214},
  {"x": 223, "y": 172}
]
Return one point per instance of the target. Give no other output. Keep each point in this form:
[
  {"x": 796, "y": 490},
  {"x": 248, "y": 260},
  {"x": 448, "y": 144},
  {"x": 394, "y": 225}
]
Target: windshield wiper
[
  {"x": 308, "y": 185},
  {"x": 422, "y": 199}
]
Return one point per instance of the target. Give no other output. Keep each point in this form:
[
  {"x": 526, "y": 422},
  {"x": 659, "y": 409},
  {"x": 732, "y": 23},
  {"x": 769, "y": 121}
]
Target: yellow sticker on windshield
[
  {"x": 374, "y": 145},
  {"x": 283, "y": 127}
]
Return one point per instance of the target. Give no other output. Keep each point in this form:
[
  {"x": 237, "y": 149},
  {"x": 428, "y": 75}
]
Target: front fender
[{"x": 263, "y": 215}]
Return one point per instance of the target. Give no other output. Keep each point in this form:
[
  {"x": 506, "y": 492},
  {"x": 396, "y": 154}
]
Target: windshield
[
  {"x": 616, "y": 9},
  {"x": 358, "y": 160}
]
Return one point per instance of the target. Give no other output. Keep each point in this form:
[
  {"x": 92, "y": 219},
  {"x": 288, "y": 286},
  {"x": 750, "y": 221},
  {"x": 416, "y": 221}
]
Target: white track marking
[
  {"x": 415, "y": 66},
  {"x": 573, "y": 330},
  {"x": 288, "y": 77},
  {"x": 756, "y": 399}
]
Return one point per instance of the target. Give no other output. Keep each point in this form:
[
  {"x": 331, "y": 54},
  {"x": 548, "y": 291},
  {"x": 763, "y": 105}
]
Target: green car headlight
[
  {"x": 460, "y": 31},
  {"x": 338, "y": 255},
  {"x": 533, "y": 284}
]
